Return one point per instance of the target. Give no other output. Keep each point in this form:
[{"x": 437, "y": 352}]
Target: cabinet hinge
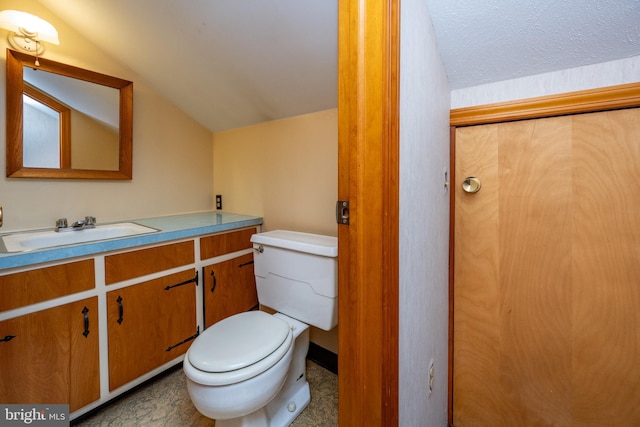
[
  {"x": 192, "y": 337},
  {"x": 186, "y": 282}
]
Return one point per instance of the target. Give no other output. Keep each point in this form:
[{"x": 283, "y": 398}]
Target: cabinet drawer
[
  {"x": 42, "y": 284},
  {"x": 132, "y": 264},
  {"x": 225, "y": 243}
]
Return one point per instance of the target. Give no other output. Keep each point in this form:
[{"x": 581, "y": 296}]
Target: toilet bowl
[
  {"x": 235, "y": 382},
  {"x": 250, "y": 369}
]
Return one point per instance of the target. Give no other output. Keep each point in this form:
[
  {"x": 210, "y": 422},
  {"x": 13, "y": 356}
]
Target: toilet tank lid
[{"x": 302, "y": 242}]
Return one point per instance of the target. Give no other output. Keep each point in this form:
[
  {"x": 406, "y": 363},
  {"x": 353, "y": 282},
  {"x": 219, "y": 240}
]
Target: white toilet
[{"x": 249, "y": 369}]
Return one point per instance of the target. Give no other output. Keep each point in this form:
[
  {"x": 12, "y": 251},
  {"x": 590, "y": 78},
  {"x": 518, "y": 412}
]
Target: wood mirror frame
[{"x": 15, "y": 90}]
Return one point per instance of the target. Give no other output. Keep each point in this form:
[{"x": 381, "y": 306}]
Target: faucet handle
[
  {"x": 90, "y": 220},
  {"x": 61, "y": 223}
]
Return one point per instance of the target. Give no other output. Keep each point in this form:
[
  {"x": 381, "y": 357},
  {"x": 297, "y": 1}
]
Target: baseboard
[{"x": 323, "y": 357}]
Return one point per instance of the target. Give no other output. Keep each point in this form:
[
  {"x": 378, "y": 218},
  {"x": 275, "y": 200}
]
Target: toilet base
[
  {"x": 285, "y": 411},
  {"x": 254, "y": 419}
]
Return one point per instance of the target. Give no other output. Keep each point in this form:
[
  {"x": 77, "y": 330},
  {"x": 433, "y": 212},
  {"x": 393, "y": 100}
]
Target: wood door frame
[
  {"x": 586, "y": 101},
  {"x": 368, "y": 177}
]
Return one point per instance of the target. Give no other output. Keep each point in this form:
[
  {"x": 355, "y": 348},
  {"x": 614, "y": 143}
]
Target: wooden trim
[
  {"x": 601, "y": 99},
  {"x": 126, "y": 132},
  {"x": 452, "y": 229},
  {"x": 14, "y": 128},
  {"x": 64, "y": 121},
  {"x": 585, "y": 101},
  {"x": 391, "y": 218},
  {"x": 14, "y": 115},
  {"x": 368, "y": 161}
]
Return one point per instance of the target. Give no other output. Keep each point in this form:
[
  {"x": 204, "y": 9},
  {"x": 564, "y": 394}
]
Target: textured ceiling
[
  {"x": 492, "y": 40},
  {"x": 232, "y": 63}
]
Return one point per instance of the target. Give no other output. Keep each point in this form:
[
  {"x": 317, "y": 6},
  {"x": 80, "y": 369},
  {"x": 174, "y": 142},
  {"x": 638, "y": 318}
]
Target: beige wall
[
  {"x": 97, "y": 146},
  {"x": 284, "y": 170},
  {"x": 287, "y": 172},
  {"x": 172, "y": 154}
]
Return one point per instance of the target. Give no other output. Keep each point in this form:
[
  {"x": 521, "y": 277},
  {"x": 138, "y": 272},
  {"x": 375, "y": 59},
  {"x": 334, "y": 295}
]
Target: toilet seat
[{"x": 238, "y": 348}]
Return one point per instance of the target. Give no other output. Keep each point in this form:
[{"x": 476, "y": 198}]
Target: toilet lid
[{"x": 238, "y": 341}]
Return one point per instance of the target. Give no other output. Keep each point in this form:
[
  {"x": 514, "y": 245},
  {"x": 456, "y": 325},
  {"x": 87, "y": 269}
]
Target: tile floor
[{"x": 164, "y": 402}]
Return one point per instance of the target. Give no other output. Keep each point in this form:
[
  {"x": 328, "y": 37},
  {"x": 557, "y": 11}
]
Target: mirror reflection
[
  {"x": 66, "y": 122},
  {"x": 92, "y": 127},
  {"x": 41, "y": 136}
]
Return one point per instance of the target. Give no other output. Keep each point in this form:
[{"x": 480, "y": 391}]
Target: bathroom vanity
[{"x": 81, "y": 324}]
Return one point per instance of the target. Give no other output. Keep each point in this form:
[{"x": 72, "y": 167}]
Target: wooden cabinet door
[
  {"x": 150, "y": 324},
  {"x": 546, "y": 296},
  {"x": 229, "y": 288},
  {"x": 84, "y": 369},
  {"x": 52, "y": 357}
]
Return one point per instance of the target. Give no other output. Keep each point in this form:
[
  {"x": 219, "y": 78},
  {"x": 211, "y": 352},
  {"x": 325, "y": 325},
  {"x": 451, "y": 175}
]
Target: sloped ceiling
[
  {"x": 233, "y": 63},
  {"x": 227, "y": 63}
]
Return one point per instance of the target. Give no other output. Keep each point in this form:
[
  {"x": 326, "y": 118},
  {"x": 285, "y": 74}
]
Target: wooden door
[
  {"x": 229, "y": 288},
  {"x": 50, "y": 358},
  {"x": 149, "y": 324},
  {"x": 547, "y": 266}
]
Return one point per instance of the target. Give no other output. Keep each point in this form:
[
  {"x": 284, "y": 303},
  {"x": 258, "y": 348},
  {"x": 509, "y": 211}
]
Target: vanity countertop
[{"x": 171, "y": 228}]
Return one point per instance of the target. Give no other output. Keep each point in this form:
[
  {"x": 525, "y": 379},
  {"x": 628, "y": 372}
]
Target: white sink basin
[{"x": 20, "y": 242}]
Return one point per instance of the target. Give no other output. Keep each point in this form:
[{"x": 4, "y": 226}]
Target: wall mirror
[{"x": 66, "y": 122}]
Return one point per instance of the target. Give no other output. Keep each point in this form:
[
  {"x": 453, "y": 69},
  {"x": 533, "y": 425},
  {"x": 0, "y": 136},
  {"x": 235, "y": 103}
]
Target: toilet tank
[{"x": 297, "y": 275}]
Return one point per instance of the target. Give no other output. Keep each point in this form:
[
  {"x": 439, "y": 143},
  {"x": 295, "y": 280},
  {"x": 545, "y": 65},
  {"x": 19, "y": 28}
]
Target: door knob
[{"x": 471, "y": 184}]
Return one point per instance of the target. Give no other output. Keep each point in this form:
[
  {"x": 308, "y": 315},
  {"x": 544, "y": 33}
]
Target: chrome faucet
[{"x": 63, "y": 225}]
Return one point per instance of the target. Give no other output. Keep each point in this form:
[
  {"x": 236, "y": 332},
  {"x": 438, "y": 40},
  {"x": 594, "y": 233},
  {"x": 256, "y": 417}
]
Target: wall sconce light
[{"x": 26, "y": 31}]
